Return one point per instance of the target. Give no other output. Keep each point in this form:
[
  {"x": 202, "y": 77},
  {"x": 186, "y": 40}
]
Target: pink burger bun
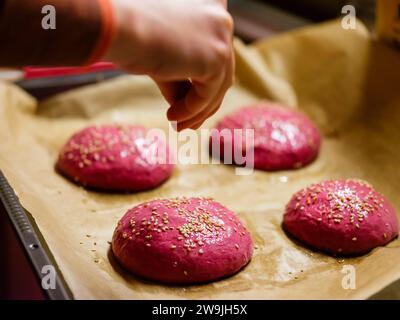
[
  {"x": 181, "y": 241},
  {"x": 283, "y": 138},
  {"x": 341, "y": 217},
  {"x": 115, "y": 158}
]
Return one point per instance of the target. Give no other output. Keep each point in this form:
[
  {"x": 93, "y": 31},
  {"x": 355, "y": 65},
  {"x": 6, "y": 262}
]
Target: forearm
[{"x": 79, "y": 35}]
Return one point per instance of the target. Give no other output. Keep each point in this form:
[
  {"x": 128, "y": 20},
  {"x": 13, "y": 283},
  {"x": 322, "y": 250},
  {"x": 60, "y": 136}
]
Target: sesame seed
[
  {"x": 201, "y": 251},
  {"x": 354, "y": 239},
  {"x": 173, "y": 247},
  {"x": 236, "y": 246}
]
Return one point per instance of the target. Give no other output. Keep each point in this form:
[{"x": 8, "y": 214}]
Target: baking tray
[{"x": 33, "y": 243}]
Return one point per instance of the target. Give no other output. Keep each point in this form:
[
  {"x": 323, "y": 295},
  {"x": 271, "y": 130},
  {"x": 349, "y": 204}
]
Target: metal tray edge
[{"x": 34, "y": 244}]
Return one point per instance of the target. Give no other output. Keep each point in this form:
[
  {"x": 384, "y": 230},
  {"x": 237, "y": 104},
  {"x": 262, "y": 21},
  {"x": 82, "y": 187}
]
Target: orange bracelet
[{"x": 106, "y": 33}]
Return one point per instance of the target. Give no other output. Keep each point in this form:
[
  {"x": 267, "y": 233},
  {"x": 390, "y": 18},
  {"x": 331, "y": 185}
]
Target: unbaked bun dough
[
  {"x": 182, "y": 240},
  {"x": 283, "y": 138},
  {"x": 344, "y": 217},
  {"x": 115, "y": 158}
]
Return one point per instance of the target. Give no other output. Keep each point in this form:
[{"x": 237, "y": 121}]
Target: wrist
[
  {"x": 127, "y": 25},
  {"x": 107, "y": 31}
]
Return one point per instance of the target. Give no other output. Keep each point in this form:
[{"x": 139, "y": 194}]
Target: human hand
[{"x": 184, "y": 46}]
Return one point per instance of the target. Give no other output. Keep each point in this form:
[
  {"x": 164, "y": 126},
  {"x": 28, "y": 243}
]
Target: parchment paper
[{"x": 345, "y": 82}]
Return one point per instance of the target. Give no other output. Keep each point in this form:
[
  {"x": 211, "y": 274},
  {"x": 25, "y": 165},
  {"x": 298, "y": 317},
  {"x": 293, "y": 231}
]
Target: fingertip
[
  {"x": 197, "y": 125},
  {"x": 180, "y": 127},
  {"x": 194, "y": 125},
  {"x": 179, "y": 112},
  {"x": 174, "y": 112},
  {"x": 170, "y": 115},
  {"x": 184, "y": 125}
]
